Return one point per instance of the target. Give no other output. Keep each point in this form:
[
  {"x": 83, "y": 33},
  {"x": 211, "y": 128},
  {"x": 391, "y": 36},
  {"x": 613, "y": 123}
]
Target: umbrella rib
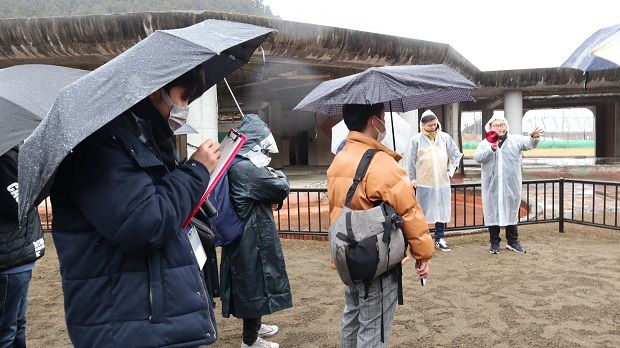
[{"x": 189, "y": 41}]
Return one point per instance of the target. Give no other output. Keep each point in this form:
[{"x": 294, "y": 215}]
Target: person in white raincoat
[
  {"x": 434, "y": 158},
  {"x": 501, "y": 180}
]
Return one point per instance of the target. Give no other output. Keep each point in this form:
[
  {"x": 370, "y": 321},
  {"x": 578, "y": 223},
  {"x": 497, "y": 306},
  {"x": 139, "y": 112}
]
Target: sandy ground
[{"x": 565, "y": 292}]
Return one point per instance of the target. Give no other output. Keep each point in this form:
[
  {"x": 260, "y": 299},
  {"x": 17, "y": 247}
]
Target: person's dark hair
[
  {"x": 193, "y": 81},
  {"x": 356, "y": 115},
  {"x": 427, "y": 118}
]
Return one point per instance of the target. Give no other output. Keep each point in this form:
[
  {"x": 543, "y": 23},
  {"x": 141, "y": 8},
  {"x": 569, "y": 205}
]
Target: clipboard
[{"x": 230, "y": 147}]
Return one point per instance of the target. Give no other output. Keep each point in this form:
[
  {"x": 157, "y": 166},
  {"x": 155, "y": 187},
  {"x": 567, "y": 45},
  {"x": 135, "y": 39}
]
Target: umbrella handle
[{"x": 392, "y": 122}]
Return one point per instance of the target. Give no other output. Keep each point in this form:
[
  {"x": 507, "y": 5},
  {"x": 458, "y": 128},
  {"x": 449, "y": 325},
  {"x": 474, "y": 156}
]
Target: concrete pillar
[
  {"x": 486, "y": 116},
  {"x": 275, "y": 120},
  {"x": 283, "y": 138},
  {"x": 319, "y": 141},
  {"x": 452, "y": 125},
  {"x": 617, "y": 129},
  {"x": 607, "y": 143},
  {"x": 451, "y": 115},
  {"x": 203, "y": 116},
  {"x": 513, "y": 110}
]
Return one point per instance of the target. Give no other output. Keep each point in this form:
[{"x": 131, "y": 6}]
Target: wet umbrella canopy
[
  {"x": 27, "y": 93},
  {"x": 609, "y": 49},
  {"x": 401, "y": 88},
  {"x": 583, "y": 59},
  {"x": 219, "y": 47}
]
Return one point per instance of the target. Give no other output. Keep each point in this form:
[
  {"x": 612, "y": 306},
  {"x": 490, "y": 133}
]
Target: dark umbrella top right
[
  {"x": 583, "y": 59},
  {"x": 402, "y": 88}
]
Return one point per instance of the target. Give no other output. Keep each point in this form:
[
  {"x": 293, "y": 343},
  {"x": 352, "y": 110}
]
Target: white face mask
[
  {"x": 269, "y": 144},
  {"x": 381, "y": 134},
  {"x": 178, "y": 113},
  {"x": 259, "y": 154}
]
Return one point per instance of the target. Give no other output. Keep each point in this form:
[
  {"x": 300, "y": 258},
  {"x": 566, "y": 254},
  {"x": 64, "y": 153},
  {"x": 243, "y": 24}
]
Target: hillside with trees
[{"x": 49, "y": 8}]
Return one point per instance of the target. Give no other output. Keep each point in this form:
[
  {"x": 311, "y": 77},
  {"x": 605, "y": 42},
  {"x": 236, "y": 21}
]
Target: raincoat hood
[
  {"x": 487, "y": 127},
  {"x": 260, "y": 142},
  {"x": 426, "y": 113}
]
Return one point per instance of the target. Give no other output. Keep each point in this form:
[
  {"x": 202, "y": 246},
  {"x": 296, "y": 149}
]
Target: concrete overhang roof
[
  {"x": 298, "y": 56},
  {"x": 547, "y": 87},
  {"x": 89, "y": 41}
]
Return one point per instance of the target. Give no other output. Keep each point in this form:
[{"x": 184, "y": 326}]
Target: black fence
[
  {"x": 587, "y": 202},
  {"x": 305, "y": 213}
]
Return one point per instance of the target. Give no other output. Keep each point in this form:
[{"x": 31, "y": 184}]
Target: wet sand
[{"x": 565, "y": 292}]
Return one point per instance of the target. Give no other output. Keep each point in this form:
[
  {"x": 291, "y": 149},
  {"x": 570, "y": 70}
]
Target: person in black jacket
[
  {"x": 254, "y": 282},
  {"x": 19, "y": 248},
  {"x": 129, "y": 274}
]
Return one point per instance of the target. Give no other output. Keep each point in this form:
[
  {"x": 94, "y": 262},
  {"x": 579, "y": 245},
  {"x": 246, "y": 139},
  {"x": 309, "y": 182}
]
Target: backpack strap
[
  {"x": 349, "y": 237},
  {"x": 392, "y": 222},
  {"x": 362, "y": 168}
]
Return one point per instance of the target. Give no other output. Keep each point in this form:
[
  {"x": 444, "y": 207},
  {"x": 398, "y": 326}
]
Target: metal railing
[
  {"x": 592, "y": 203},
  {"x": 305, "y": 212}
]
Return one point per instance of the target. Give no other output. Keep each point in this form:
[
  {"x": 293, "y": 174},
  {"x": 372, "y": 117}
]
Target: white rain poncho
[
  {"x": 431, "y": 166},
  {"x": 501, "y": 176}
]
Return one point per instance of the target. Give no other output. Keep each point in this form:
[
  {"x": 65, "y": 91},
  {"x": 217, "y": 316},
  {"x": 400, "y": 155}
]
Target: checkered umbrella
[{"x": 402, "y": 88}]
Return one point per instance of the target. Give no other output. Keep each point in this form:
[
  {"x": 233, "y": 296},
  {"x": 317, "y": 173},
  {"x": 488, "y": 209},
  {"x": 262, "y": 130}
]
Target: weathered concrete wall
[{"x": 89, "y": 41}]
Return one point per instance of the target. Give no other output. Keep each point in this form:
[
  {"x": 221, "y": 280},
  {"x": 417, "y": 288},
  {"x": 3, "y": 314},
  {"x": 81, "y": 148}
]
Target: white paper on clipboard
[
  {"x": 199, "y": 251},
  {"x": 229, "y": 148}
]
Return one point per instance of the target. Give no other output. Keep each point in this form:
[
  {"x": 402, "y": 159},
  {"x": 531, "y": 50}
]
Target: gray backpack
[{"x": 365, "y": 244}]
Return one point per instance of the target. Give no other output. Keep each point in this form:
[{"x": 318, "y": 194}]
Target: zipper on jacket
[{"x": 148, "y": 261}]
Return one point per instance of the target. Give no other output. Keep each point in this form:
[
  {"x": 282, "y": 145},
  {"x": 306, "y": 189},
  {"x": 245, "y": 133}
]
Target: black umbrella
[
  {"x": 220, "y": 47},
  {"x": 27, "y": 93},
  {"x": 401, "y": 88}
]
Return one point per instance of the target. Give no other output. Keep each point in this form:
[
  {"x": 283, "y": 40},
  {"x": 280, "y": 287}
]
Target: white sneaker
[
  {"x": 267, "y": 330},
  {"x": 442, "y": 245},
  {"x": 261, "y": 343}
]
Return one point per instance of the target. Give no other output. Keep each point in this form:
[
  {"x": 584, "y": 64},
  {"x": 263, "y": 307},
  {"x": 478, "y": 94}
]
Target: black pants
[
  {"x": 250, "y": 330},
  {"x": 512, "y": 235}
]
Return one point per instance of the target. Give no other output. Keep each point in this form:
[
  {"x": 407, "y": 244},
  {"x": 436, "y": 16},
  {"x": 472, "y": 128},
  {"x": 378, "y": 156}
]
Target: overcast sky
[{"x": 493, "y": 35}]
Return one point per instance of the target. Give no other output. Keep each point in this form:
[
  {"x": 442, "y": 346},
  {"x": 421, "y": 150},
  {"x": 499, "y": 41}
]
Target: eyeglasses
[{"x": 499, "y": 125}]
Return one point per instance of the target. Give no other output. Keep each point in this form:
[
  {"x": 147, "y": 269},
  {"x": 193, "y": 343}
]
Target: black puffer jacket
[
  {"x": 129, "y": 276},
  {"x": 18, "y": 246}
]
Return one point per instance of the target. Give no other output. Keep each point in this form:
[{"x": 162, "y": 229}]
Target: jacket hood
[{"x": 260, "y": 142}]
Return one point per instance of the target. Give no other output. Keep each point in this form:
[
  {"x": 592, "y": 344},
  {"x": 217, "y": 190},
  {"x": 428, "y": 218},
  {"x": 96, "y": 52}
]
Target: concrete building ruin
[{"x": 296, "y": 59}]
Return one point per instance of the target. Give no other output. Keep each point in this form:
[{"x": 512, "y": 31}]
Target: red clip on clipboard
[{"x": 230, "y": 146}]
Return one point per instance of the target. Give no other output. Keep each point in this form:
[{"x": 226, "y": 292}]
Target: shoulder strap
[{"x": 362, "y": 167}]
